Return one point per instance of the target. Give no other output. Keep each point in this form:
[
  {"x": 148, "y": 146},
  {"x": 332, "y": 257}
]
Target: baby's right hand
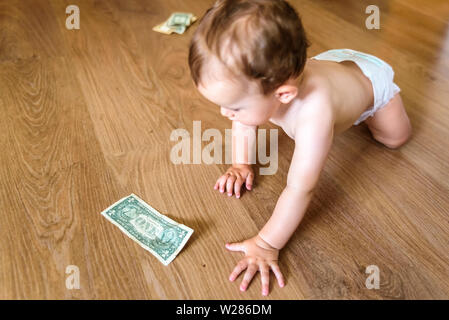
[{"x": 234, "y": 178}]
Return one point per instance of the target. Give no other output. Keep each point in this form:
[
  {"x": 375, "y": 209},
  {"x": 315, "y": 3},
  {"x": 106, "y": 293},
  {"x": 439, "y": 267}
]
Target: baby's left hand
[{"x": 259, "y": 256}]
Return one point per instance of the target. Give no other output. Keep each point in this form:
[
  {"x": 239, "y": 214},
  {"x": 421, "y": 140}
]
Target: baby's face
[{"x": 239, "y": 99}]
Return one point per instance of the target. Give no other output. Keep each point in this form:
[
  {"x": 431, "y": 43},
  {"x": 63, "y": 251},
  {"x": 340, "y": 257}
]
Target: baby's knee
[{"x": 398, "y": 141}]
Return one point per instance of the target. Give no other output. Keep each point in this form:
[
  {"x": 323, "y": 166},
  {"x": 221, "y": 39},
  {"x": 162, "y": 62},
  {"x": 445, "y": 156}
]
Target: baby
[{"x": 250, "y": 58}]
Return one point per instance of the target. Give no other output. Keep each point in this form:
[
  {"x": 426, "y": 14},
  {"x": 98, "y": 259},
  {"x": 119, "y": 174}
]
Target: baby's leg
[{"x": 391, "y": 125}]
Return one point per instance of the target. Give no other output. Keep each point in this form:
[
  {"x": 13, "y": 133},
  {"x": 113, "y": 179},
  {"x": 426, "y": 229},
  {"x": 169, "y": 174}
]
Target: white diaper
[{"x": 378, "y": 71}]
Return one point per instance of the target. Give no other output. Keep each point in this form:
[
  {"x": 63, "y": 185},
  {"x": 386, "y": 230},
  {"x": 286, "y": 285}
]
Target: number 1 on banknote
[{"x": 160, "y": 235}]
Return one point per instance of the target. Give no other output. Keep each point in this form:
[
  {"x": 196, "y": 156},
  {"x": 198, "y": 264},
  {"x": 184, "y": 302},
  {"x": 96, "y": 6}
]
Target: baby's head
[{"x": 245, "y": 56}]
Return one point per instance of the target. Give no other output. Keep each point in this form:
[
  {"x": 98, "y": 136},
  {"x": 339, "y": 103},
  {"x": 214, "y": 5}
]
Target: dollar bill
[
  {"x": 160, "y": 235},
  {"x": 180, "y": 18},
  {"x": 163, "y": 28},
  {"x": 176, "y": 23}
]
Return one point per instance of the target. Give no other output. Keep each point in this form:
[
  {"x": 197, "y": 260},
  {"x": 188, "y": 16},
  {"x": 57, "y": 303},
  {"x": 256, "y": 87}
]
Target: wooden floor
[{"x": 86, "y": 117}]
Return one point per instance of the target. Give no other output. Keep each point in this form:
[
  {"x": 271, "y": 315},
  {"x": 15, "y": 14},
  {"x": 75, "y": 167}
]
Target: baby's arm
[
  {"x": 313, "y": 139},
  {"x": 243, "y": 155},
  {"x": 243, "y": 140}
]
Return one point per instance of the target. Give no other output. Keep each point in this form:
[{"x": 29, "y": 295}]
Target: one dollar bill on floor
[
  {"x": 178, "y": 22},
  {"x": 160, "y": 235}
]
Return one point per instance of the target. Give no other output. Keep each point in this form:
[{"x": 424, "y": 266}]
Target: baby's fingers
[
  {"x": 236, "y": 246},
  {"x": 230, "y": 184},
  {"x": 238, "y": 269},
  {"x": 265, "y": 276},
  {"x": 277, "y": 272},
  {"x": 221, "y": 182},
  {"x": 249, "y": 274},
  {"x": 249, "y": 181},
  {"x": 238, "y": 186}
]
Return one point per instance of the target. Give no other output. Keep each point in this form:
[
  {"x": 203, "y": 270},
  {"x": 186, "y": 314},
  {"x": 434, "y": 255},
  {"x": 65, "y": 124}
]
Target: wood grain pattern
[{"x": 86, "y": 119}]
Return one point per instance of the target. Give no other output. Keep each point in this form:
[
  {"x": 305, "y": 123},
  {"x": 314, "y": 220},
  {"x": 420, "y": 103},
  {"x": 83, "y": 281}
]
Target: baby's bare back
[{"x": 347, "y": 91}]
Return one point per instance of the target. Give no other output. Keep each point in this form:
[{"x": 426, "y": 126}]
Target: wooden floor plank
[{"x": 87, "y": 118}]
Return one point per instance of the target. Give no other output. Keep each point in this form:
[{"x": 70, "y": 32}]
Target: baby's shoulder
[
  {"x": 315, "y": 87},
  {"x": 315, "y": 98},
  {"x": 317, "y": 114}
]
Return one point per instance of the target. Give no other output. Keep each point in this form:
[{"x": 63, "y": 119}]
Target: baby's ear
[{"x": 286, "y": 93}]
